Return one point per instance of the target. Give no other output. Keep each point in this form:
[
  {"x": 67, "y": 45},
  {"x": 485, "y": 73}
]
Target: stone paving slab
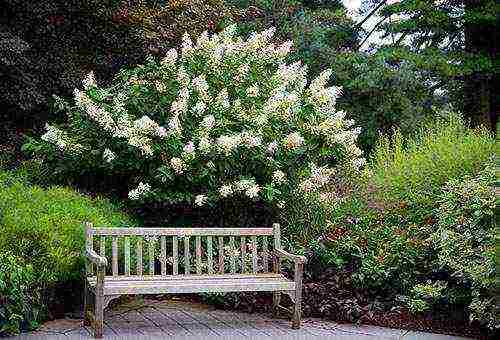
[{"x": 177, "y": 320}]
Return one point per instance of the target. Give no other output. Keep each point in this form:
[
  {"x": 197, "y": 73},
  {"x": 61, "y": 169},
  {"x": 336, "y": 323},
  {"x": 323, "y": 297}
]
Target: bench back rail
[{"x": 177, "y": 251}]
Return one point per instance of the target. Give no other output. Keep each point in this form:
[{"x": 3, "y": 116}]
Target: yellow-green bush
[{"x": 42, "y": 243}]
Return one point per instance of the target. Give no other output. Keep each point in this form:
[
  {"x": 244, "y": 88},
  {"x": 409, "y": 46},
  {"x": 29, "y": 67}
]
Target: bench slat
[
  {"x": 232, "y": 255},
  {"x": 102, "y": 246},
  {"x": 181, "y": 231},
  {"x": 139, "y": 255},
  {"x": 127, "y": 255},
  {"x": 151, "y": 255},
  {"x": 198, "y": 254},
  {"x": 183, "y": 285},
  {"x": 221, "y": 255},
  {"x": 254, "y": 254},
  {"x": 175, "y": 255},
  {"x": 243, "y": 254},
  {"x": 187, "y": 266},
  {"x": 115, "y": 255},
  {"x": 163, "y": 259},
  {"x": 209, "y": 255},
  {"x": 265, "y": 261}
]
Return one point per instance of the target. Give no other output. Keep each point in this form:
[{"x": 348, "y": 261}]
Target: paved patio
[{"x": 151, "y": 319}]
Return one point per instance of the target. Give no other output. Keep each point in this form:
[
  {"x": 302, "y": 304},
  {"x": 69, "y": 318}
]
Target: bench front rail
[{"x": 185, "y": 260}]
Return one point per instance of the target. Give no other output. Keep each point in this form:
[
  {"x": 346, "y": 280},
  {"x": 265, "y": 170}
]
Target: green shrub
[
  {"x": 20, "y": 301},
  {"x": 44, "y": 226},
  {"x": 413, "y": 170},
  {"x": 465, "y": 241},
  {"x": 419, "y": 228}
]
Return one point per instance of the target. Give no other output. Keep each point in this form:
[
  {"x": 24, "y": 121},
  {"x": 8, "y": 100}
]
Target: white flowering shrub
[{"x": 219, "y": 118}]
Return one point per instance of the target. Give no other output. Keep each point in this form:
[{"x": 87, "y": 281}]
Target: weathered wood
[
  {"x": 270, "y": 276},
  {"x": 102, "y": 246},
  {"x": 299, "y": 269},
  {"x": 221, "y": 255},
  {"x": 182, "y": 231},
  {"x": 187, "y": 265},
  {"x": 127, "y": 254},
  {"x": 151, "y": 255},
  {"x": 255, "y": 267},
  {"x": 107, "y": 288},
  {"x": 163, "y": 260},
  {"x": 89, "y": 244},
  {"x": 139, "y": 256},
  {"x": 265, "y": 254},
  {"x": 243, "y": 250},
  {"x": 232, "y": 246},
  {"x": 211, "y": 284},
  {"x": 210, "y": 255},
  {"x": 175, "y": 255},
  {"x": 115, "y": 255},
  {"x": 198, "y": 255}
]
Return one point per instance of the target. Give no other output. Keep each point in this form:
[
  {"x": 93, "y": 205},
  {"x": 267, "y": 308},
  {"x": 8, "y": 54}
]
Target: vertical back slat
[
  {"x": 265, "y": 261},
  {"x": 187, "y": 267},
  {"x": 115, "y": 255},
  {"x": 277, "y": 245},
  {"x": 243, "y": 254},
  {"x": 163, "y": 259},
  {"x": 89, "y": 244},
  {"x": 221, "y": 255},
  {"x": 175, "y": 255},
  {"x": 151, "y": 255},
  {"x": 139, "y": 255},
  {"x": 127, "y": 255},
  {"x": 232, "y": 245},
  {"x": 102, "y": 246},
  {"x": 209, "y": 255},
  {"x": 198, "y": 254},
  {"x": 254, "y": 254}
]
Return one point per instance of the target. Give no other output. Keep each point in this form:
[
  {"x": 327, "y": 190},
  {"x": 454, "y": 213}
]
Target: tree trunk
[{"x": 480, "y": 97}]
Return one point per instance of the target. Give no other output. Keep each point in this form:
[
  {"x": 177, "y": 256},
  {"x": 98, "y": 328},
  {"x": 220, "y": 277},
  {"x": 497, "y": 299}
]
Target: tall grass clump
[{"x": 412, "y": 171}]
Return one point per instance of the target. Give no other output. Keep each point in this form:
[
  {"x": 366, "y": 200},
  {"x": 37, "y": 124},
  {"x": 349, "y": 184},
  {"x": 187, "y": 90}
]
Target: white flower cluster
[
  {"x": 108, "y": 155},
  {"x": 320, "y": 176},
  {"x": 139, "y": 192},
  {"x": 246, "y": 186},
  {"x": 60, "y": 139}
]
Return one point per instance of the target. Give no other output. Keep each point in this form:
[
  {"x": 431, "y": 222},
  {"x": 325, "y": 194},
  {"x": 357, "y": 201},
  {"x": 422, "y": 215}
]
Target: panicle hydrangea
[
  {"x": 293, "y": 141},
  {"x": 139, "y": 192},
  {"x": 208, "y": 122},
  {"x": 170, "y": 58},
  {"x": 247, "y": 114},
  {"x": 108, "y": 155},
  {"x": 89, "y": 81},
  {"x": 253, "y": 91},
  {"x": 200, "y": 200},
  {"x": 279, "y": 177},
  {"x": 178, "y": 165},
  {"x": 226, "y": 190}
]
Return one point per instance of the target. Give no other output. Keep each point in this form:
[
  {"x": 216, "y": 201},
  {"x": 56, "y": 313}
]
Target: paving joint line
[
  {"x": 177, "y": 322},
  {"x": 154, "y": 323},
  {"x": 200, "y": 322}
]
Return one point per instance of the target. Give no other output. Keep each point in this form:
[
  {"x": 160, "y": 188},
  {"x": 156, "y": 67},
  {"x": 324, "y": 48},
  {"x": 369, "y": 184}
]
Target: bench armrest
[
  {"x": 99, "y": 261},
  {"x": 286, "y": 255}
]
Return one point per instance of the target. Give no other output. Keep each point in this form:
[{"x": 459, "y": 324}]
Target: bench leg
[
  {"x": 297, "y": 310},
  {"x": 87, "y": 306},
  {"x": 299, "y": 269},
  {"x": 276, "y": 303},
  {"x": 99, "y": 316}
]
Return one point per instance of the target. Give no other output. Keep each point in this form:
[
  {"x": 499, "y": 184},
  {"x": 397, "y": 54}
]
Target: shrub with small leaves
[{"x": 20, "y": 299}]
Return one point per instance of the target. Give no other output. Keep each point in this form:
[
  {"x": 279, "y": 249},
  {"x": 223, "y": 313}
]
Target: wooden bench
[{"x": 223, "y": 261}]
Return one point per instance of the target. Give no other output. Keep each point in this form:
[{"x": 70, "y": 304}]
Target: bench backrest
[{"x": 177, "y": 251}]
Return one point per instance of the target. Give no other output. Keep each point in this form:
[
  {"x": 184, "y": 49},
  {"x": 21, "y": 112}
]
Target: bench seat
[{"x": 193, "y": 284}]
